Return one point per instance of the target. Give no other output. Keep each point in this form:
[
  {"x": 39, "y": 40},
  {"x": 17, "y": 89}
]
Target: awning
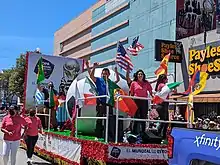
[{"x": 201, "y": 98}]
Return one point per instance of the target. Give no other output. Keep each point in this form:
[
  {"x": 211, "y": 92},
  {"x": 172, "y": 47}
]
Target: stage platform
[{"x": 60, "y": 148}]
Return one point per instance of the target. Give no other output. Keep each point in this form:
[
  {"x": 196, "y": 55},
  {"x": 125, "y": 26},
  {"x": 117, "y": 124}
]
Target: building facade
[{"x": 106, "y": 23}]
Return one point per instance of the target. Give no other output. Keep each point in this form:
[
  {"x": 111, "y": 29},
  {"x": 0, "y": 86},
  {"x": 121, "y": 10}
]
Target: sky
[{"x": 26, "y": 25}]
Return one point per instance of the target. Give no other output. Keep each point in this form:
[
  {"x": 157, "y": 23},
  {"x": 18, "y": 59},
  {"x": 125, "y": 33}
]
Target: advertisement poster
[
  {"x": 60, "y": 71},
  {"x": 193, "y": 16},
  {"x": 164, "y": 47}
]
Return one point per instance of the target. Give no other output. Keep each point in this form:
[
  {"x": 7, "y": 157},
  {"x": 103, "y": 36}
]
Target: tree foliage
[{"x": 14, "y": 78}]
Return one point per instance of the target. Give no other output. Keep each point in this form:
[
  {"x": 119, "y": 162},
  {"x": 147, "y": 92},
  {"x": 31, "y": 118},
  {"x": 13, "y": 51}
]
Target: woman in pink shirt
[
  {"x": 140, "y": 87},
  {"x": 11, "y": 127},
  {"x": 162, "y": 108},
  {"x": 31, "y": 133}
]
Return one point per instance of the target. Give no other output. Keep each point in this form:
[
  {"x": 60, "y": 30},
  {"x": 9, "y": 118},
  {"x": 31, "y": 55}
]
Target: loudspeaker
[{"x": 150, "y": 138}]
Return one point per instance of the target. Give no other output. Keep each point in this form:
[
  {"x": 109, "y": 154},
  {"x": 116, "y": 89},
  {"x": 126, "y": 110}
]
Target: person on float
[
  {"x": 129, "y": 80},
  {"x": 11, "y": 127},
  {"x": 52, "y": 107},
  {"x": 31, "y": 133},
  {"x": 162, "y": 108},
  {"x": 101, "y": 84},
  {"x": 140, "y": 87}
]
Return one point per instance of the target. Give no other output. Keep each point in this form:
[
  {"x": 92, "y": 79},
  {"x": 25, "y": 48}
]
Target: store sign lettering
[
  {"x": 207, "y": 141},
  {"x": 209, "y": 57}
]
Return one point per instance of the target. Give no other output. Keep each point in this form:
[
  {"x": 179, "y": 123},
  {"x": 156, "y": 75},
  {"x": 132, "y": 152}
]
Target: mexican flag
[
  {"x": 161, "y": 95},
  {"x": 40, "y": 73},
  {"x": 89, "y": 91}
]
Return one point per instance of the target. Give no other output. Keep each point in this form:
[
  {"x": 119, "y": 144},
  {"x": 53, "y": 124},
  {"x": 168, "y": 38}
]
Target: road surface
[{"x": 21, "y": 156}]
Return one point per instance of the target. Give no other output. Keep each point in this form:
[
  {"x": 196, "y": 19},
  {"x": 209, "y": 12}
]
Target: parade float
[{"x": 79, "y": 145}]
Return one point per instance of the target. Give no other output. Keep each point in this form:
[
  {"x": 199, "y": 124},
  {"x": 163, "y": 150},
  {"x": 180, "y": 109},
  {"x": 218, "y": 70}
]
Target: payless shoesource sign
[{"x": 208, "y": 58}]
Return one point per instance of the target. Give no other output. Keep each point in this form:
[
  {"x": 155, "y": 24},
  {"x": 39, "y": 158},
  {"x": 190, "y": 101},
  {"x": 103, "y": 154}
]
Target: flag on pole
[
  {"x": 197, "y": 83},
  {"x": 200, "y": 82},
  {"x": 39, "y": 97},
  {"x": 163, "y": 66},
  {"x": 135, "y": 47},
  {"x": 161, "y": 95},
  {"x": 126, "y": 105},
  {"x": 53, "y": 100},
  {"x": 122, "y": 58},
  {"x": 40, "y": 72}
]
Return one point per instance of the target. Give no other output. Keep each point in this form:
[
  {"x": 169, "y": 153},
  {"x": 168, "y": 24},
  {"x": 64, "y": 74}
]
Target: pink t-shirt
[
  {"x": 13, "y": 124},
  {"x": 33, "y": 124},
  {"x": 140, "y": 89}
]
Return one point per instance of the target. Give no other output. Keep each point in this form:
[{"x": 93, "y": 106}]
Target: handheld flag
[
  {"x": 122, "y": 58},
  {"x": 39, "y": 97},
  {"x": 161, "y": 95},
  {"x": 200, "y": 82},
  {"x": 163, "y": 66},
  {"x": 135, "y": 47},
  {"x": 89, "y": 91},
  {"x": 197, "y": 83},
  {"x": 53, "y": 100},
  {"x": 40, "y": 72}
]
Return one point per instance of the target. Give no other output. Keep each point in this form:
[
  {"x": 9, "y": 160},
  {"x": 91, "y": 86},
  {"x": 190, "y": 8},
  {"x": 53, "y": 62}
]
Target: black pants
[
  {"x": 162, "y": 110},
  {"x": 100, "y": 128},
  {"x": 30, "y": 142},
  {"x": 141, "y": 113}
]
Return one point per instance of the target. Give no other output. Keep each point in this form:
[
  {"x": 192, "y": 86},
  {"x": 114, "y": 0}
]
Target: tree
[
  {"x": 4, "y": 82},
  {"x": 17, "y": 77}
]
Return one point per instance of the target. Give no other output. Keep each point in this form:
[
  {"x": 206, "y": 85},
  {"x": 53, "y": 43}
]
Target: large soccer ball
[{"x": 77, "y": 90}]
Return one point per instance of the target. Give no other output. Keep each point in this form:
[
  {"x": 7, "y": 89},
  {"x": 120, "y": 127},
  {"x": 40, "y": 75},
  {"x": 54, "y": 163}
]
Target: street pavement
[{"x": 21, "y": 156}]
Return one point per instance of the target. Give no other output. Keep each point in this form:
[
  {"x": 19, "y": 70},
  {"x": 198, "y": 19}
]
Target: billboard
[
  {"x": 164, "y": 47},
  {"x": 59, "y": 70},
  {"x": 209, "y": 56},
  {"x": 193, "y": 16}
]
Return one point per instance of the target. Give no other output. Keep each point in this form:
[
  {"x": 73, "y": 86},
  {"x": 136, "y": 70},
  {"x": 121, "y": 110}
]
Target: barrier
[
  {"x": 174, "y": 102},
  {"x": 44, "y": 114},
  {"x": 102, "y": 118},
  {"x": 145, "y": 120}
]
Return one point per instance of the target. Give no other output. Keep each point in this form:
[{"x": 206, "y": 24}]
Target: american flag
[
  {"x": 135, "y": 47},
  {"x": 122, "y": 58}
]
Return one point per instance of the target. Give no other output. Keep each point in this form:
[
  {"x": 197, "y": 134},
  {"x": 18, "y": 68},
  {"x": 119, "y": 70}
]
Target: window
[{"x": 201, "y": 162}]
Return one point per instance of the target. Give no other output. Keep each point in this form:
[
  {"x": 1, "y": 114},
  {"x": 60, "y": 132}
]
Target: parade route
[{"x": 21, "y": 156}]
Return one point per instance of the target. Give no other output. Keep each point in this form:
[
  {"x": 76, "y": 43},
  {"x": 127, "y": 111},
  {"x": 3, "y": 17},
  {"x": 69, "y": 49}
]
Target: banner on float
[
  {"x": 126, "y": 152},
  {"x": 65, "y": 148},
  {"x": 59, "y": 70}
]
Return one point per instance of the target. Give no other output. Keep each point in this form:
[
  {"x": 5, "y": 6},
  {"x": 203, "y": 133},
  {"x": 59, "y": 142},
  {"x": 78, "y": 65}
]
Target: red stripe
[{"x": 126, "y": 60}]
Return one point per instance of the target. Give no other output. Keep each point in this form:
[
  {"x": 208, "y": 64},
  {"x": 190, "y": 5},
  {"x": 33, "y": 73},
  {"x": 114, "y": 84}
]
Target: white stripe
[{"x": 164, "y": 92}]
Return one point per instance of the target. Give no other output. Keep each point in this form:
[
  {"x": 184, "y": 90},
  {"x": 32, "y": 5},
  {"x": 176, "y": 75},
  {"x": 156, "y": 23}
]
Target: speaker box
[{"x": 150, "y": 138}]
